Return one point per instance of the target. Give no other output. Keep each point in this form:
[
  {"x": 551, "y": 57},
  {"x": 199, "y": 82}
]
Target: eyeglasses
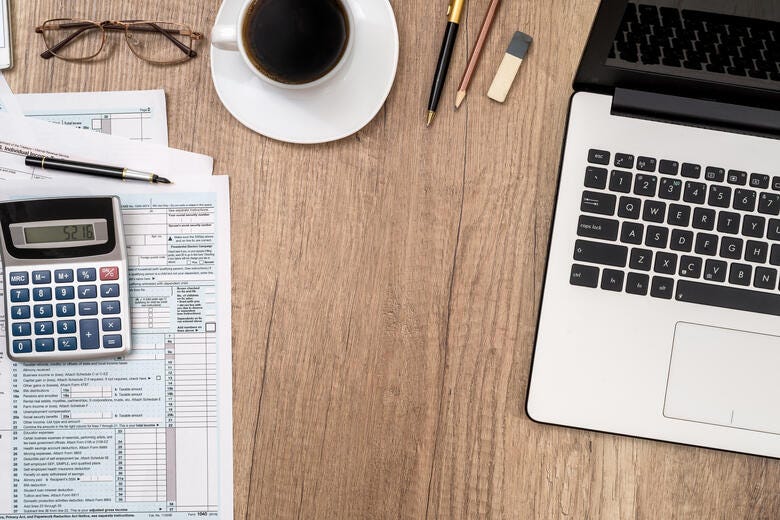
[{"x": 164, "y": 43}]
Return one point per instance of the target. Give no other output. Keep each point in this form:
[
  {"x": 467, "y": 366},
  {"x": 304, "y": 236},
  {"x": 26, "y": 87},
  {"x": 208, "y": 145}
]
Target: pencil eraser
[{"x": 509, "y": 67}]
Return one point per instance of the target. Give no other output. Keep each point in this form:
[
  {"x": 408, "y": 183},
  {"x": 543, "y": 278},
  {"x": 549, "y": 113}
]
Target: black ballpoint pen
[
  {"x": 99, "y": 170},
  {"x": 454, "y": 12}
]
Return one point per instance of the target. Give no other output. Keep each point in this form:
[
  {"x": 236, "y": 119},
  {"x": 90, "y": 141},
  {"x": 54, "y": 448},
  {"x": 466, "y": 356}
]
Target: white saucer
[{"x": 338, "y": 108}]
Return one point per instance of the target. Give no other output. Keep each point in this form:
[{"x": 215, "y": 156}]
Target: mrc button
[{"x": 19, "y": 278}]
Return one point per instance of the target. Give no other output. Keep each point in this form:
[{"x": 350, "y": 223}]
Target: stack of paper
[{"x": 149, "y": 434}]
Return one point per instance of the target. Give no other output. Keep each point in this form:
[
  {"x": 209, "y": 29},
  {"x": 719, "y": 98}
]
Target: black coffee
[{"x": 296, "y": 41}]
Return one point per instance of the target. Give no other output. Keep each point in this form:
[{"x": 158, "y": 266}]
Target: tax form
[
  {"x": 8, "y": 102},
  {"x": 148, "y": 435}
]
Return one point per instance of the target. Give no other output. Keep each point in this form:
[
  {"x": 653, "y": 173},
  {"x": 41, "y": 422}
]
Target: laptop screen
[{"x": 717, "y": 49}]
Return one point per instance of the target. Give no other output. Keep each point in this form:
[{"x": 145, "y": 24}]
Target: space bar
[{"x": 728, "y": 297}]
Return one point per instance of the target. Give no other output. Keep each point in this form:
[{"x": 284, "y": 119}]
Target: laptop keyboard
[
  {"x": 699, "y": 40},
  {"x": 690, "y": 232}
]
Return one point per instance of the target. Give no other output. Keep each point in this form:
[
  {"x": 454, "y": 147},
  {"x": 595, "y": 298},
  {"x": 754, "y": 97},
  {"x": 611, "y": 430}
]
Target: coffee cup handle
[{"x": 225, "y": 37}]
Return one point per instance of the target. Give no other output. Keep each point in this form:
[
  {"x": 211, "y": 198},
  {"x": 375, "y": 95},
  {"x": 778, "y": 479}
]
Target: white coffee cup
[{"x": 230, "y": 38}]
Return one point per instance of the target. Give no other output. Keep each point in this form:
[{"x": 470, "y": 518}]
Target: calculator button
[
  {"x": 40, "y": 277},
  {"x": 109, "y": 290},
  {"x": 19, "y": 278},
  {"x": 63, "y": 275},
  {"x": 44, "y": 345},
  {"x": 64, "y": 293},
  {"x": 21, "y": 329},
  {"x": 109, "y": 307},
  {"x": 86, "y": 274},
  {"x": 22, "y": 346},
  {"x": 44, "y": 328},
  {"x": 109, "y": 273},
  {"x": 112, "y": 341},
  {"x": 87, "y": 291},
  {"x": 88, "y": 308},
  {"x": 42, "y": 294},
  {"x": 112, "y": 324},
  {"x": 66, "y": 309},
  {"x": 20, "y": 312},
  {"x": 42, "y": 311},
  {"x": 66, "y": 326},
  {"x": 20, "y": 295},
  {"x": 89, "y": 334},
  {"x": 69, "y": 343}
]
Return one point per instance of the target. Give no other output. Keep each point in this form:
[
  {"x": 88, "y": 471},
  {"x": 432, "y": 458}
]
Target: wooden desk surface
[{"x": 386, "y": 289}]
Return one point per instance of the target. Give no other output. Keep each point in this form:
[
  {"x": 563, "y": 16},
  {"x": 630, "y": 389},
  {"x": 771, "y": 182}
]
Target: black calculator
[{"x": 65, "y": 279}]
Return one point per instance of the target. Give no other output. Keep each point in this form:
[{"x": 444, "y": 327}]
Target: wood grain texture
[{"x": 387, "y": 285}]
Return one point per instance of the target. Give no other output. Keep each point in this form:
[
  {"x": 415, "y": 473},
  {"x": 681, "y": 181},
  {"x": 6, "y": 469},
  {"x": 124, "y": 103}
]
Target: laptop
[{"x": 660, "y": 314}]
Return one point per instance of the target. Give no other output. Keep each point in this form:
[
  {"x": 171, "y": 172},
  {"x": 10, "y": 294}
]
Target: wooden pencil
[{"x": 487, "y": 23}]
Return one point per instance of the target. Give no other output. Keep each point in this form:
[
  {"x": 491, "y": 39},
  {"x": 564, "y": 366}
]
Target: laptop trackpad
[{"x": 724, "y": 377}]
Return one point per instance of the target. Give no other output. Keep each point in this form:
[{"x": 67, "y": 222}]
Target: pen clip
[{"x": 450, "y": 4}]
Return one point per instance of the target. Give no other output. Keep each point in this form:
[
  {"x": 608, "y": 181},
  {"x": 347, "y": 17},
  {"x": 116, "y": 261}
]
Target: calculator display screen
[{"x": 66, "y": 233}]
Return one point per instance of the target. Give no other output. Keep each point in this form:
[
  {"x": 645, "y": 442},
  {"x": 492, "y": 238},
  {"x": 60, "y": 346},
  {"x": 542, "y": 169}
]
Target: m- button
[{"x": 109, "y": 273}]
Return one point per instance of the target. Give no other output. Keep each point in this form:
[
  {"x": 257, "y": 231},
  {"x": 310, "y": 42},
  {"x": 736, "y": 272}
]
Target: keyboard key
[
  {"x": 632, "y": 233},
  {"x": 756, "y": 251},
  {"x": 109, "y": 273},
  {"x": 598, "y": 156},
  {"x": 656, "y": 237},
  {"x": 715, "y": 270},
  {"x": 703, "y": 218},
  {"x": 740, "y": 274},
  {"x": 769, "y": 204},
  {"x": 765, "y": 278},
  {"x": 41, "y": 294},
  {"x": 720, "y": 196},
  {"x": 20, "y": 312},
  {"x": 41, "y": 277},
  {"x": 595, "y": 202},
  {"x": 654, "y": 211},
  {"x": 113, "y": 307},
  {"x": 629, "y": 207},
  {"x": 87, "y": 291},
  {"x": 670, "y": 189},
  {"x": 695, "y": 192},
  {"x": 690, "y": 266},
  {"x": 682, "y": 240},
  {"x": 22, "y": 346},
  {"x": 728, "y": 297},
  {"x": 595, "y": 177},
  {"x": 736, "y": 177},
  {"x": 668, "y": 167},
  {"x": 21, "y": 329},
  {"x": 584, "y": 275},
  {"x": 65, "y": 310},
  {"x": 731, "y": 247},
  {"x": 646, "y": 164},
  {"x": 63, "y": 275},
  {"x": 67, "y": 343},
  {"x": 66, "y": 326},
  {"x": 665, "y": 263},
  {"x": 692, "y": 171},
  {"x": 88, "y": 308},
  {"x": 714, "y": 174},
  {"x": 645, "y": 185},
  {"x": 612, "y": 280},
  {"x": 89, "y": 335},
  {"x": 753, "y": 226},
  {"x": 584, "y": 250},
  {"x": 745, "y": 200},
  {"x": 679, "y": 215},
  {"x": 42, "y": 311},
  {"x": 620, "y": 181},
  {"x": 87, "y": 274},
  {"x": 112, "y": 341},
  {"x": 111, "y": 290},
  {"x": 115, "y": 324},
  {"x": 65, "y": 292},
  {"x": 776, "y": 183},
  {"x": 44, "y": 345},
  {"x": 624, "y": 160},
  {"x": 706, "y": 244},
  {"x": 641, "y": 259},
  {"x": 19, "y": 278},
  {"x": 773, "y": 229},
  {"x": 662, "y": 287},
  {"x": 758, "y": 180},
  {"x": 728, "y": 222},
  {"x": 44, "y": 328},
  {"x": 20, "y": 295},
  {"x": 637, "y": 283}
]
